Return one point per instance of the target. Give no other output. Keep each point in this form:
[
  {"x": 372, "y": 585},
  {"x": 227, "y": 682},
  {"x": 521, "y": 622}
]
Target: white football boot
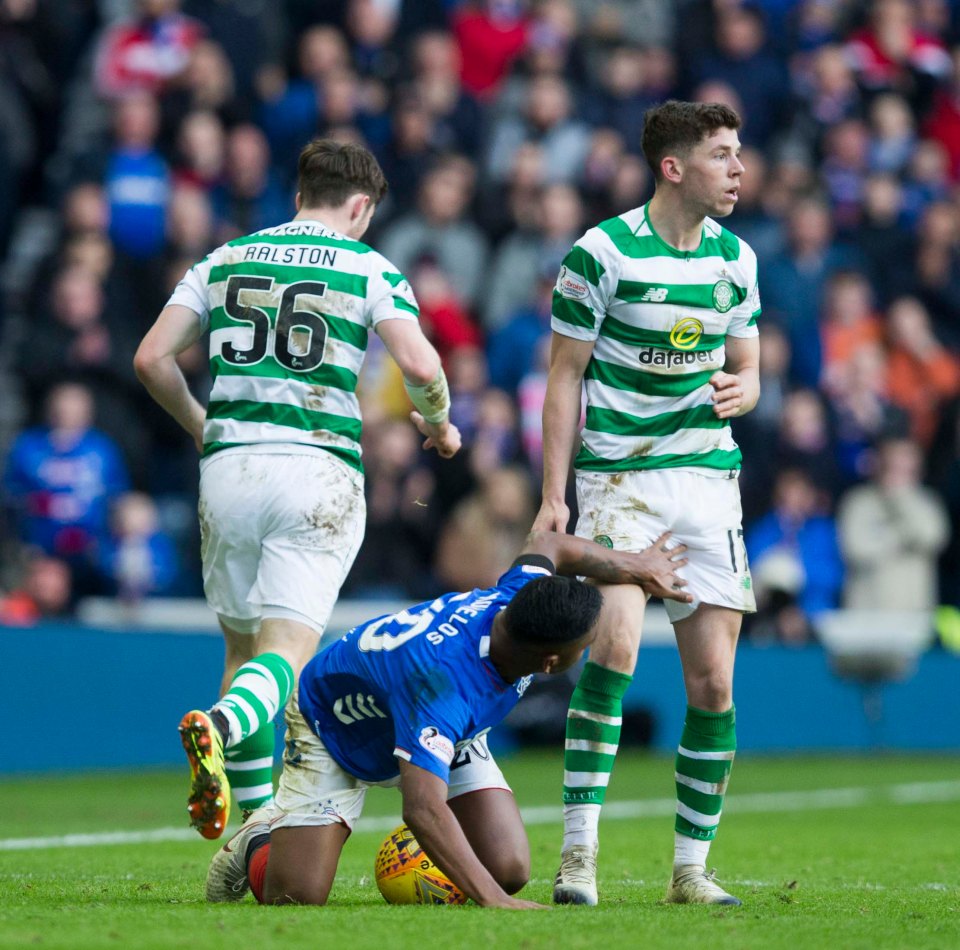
[
  {"x": 691, "y": 884},
  {"x": 227, "y": 876},
  {"x": 576, "y": 881}
]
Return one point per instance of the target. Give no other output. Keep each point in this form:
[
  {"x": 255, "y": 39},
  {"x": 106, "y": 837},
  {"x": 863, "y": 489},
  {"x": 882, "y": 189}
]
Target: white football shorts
[
  {"x": 629, "y": 510},
  {"x": 315, "y": 790},
  {"x": 278, "y": 535}
]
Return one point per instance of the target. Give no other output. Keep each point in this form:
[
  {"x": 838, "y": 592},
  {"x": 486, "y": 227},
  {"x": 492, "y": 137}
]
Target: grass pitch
[{"x": 824, "y": 852}]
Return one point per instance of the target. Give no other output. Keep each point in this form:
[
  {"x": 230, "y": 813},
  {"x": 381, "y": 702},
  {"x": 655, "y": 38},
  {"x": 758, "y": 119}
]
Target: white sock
[
  {"x": 580, "y": 825},
  {"x": 688, "y": 850}
]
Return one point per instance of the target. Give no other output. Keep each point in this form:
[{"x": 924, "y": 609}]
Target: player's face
[{"x": 711, "y": 174}]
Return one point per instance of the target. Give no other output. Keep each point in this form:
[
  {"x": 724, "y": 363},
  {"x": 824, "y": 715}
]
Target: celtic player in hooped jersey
[
  {"x": 655, "y": 313},
  {"x": 289, "y": 310},
  {"x": 407, "y": 700}
]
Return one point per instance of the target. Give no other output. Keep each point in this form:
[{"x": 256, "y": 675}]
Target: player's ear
[
  {"x": 671, "y": 167},
  {"x": 358, "y": 206},
  {"x": 548, "y": 663},
  {"x": 298, "y": 201}
]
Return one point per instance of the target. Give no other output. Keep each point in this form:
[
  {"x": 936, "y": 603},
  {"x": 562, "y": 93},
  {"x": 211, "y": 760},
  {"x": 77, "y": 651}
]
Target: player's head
[
  {"x": 694, "y": 146},
  {"x": 550, "y": 622},
  {"x": 341, "y": 175}
]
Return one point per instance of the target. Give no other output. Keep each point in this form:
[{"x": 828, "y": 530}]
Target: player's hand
[
  {"x": 552, "y": 516},
  {"x": 515, "y": 903},
  {"x": 442, "y": 436},
  {"x": 727, "y": 394},
  {"x": 656, "y": 570}
]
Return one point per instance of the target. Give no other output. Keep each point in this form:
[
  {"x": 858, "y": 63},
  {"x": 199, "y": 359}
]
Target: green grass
[{"x": 876, "y": 874}]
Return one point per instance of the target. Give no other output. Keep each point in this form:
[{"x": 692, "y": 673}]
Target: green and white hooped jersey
[
  {"x": 289, "y": 310},
  {"x": 659, "y": 317}
]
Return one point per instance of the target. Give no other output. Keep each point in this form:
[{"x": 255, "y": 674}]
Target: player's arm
[
  {"x": 155, "y": 362},
  {"x": 561, "y": 422},
  {"x": 654, "y": 569},
  {"x": 736, "y": 387},
  {"x": 425, "y": 382},
  {"x": 436, "y": 828}
]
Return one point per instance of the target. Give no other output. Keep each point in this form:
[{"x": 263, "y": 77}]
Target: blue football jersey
[{"x": 417, "y": 685}]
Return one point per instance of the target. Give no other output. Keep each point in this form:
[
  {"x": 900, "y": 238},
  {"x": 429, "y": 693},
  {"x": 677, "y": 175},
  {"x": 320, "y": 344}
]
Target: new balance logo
[
  {"x": 356, "y": 706},
  {"x": 654, "y": 295}
]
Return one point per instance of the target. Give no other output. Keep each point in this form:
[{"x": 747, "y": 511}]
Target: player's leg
[
  {"x": 287, "y": 851},
  {"x": 249, "y": 764},
  {"x": 230, "y": 551},
  {"x": 594, "y": 720},
  {"x": 308, "y": 540},
  {"x": 484, "y": 805},
  {"x": 707, "y": 643},
  {"x": 300, "y": 864}
]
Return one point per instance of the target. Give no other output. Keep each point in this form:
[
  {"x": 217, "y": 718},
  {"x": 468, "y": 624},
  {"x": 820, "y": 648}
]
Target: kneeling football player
[{"x": 406, "y": 700}]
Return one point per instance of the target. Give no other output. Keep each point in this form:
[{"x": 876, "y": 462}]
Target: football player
[{"x": 407, "y": 699}]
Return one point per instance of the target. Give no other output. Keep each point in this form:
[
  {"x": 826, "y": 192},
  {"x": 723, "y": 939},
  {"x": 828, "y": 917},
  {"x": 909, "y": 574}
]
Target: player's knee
[
  {"x": 280, "y": 889},
  {"x": 512, "y": 869},
  {"x": 616, "y": 649},
  {"x": 710, "y": 690}
]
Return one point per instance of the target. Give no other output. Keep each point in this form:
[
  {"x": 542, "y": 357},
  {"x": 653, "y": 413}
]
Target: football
[{"x": 405, "y": 875}]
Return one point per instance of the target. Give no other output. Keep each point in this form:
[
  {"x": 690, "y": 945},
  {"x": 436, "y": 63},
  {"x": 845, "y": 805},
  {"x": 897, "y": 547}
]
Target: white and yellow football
[{"x": 405, "y": 875}]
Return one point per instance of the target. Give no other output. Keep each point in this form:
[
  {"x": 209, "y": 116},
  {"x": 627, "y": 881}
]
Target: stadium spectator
[
  {"x": 458, "y": 117},
  {"x": 527, "y": 252},
  {"x": 891, "y": 531},
  {"x": 513, "y": 349},
  {"x": 491, "y": 34},
  {"x": 137, "y": 559},
  {"x": 146, "y": 52},
  {"x": 862, "y": 409},
  {"x": 201, "y": 149},
  {"x": 849, "y": 322},
  {"x": 251, "y": 196},
  {"x": 796, "y": 278},
  {"x": 483, "y": 533},
  {"x": 60, "y": 479},
  {"x": 440, "y": 230},
  {"x": 922, "y": 375},
  {"x": 798, "y": 535},
  {"x": 547, "y": 118},
  {"x": 43, "y": 593},
  {"x": 444, "y": 320},
  {"x": 402, "y": 517},
  {"x": 891, "y": 54},
  {"x": 743, "y": 60},
  {"x": 136, "y": 178}
]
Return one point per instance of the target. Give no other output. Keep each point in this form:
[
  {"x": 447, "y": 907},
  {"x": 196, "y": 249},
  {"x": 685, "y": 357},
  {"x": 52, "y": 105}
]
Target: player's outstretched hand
[
  {"x": 727, "y": 394},
  {"x": 552, "y": 516},
  {"x": 656, "y": 570},
  {"x": 442, "y": 436},
  {"x": 515, "y": 903}
]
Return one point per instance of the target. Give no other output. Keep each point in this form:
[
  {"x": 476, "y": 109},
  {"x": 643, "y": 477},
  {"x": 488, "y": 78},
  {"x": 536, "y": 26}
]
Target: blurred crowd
[{"x": 137, "y": 135}]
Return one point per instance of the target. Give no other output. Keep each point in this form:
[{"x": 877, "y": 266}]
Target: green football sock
[
  {"x": 249, "y": 766},
  {"x": 594, "y": 720},
  {"x": 703, "y": 764},
  {"x": 258, "y": 691}
]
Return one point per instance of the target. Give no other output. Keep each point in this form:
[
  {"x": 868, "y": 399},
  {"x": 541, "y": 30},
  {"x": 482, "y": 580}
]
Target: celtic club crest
[{"x": 722, "y": 296}]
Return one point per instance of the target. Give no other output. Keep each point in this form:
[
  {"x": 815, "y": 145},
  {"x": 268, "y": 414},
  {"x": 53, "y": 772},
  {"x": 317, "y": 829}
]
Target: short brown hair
[
  {"x": 677, "y": 127},
  {"x": 329, "y": 172}
]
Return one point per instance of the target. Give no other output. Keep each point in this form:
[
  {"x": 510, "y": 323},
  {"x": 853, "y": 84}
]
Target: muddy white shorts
[
  {"x": 279, "y": 533},
  {"x": 315, "y": 790},
  {"x": 629, "y": 510}
]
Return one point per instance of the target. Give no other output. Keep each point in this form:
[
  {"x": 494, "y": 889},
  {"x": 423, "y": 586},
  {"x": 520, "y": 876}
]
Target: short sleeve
[
  {"x": 192, "y": 293},
  {"x": 389, "y": 294},
  {"x": 580, "y": 295},
  {"x": 743, "y": 318},
  {"x": 526, "y": 568},
  {"x": 428, "y": 737}
]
